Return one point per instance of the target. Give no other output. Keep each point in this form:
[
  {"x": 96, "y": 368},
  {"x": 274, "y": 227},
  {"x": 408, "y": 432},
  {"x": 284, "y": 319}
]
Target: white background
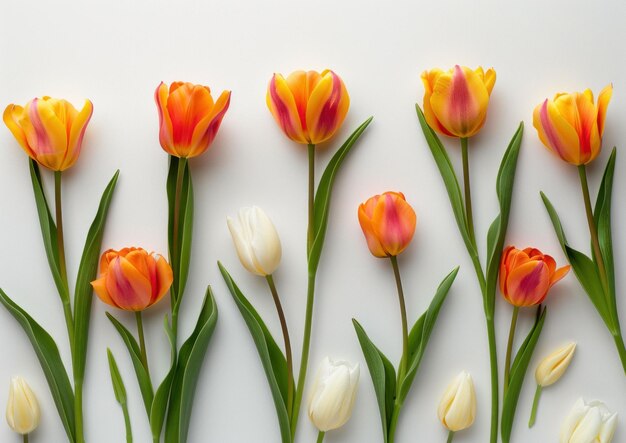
[{"x": 116, "y": 52}]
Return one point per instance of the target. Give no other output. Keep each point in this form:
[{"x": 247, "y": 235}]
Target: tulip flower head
[
  {"x": 50, "y": 130},
  {"x": 527, "y": 275},
  {"x": 457, "y": 409},
  {"x": 22, "y": 408},
  {"x": 256, "y": 240},
  {"x": 588, "y": 422},
  {"x": 572, "y": 125},
  {"x": 388, "y": 223},
  {"x": 333, "y": 394},
  {"x": 309, "y": 107},
  {"x": 188, "y": 117},
  {"x": 132, "y": 279},
  {"x": 551, "y": 368},
  {"x": 456, "y": 101}
]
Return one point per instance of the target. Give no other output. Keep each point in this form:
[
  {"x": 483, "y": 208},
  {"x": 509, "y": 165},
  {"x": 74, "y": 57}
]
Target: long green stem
[
  {"x": 58, "y": 204},
  {"x": 509, "y": 347},
  {"x": 288, "y": 356},
  {"x": 533, "y": 412},
  {"x": 25, "y": 438},
  {"x": 142, "y": 342},
  {"x": 405, "y": 327},
  {"x": 468, "y": 192},
  {"x": 320, "y": 437},
  {"x": 493, "y": 363},
  {"x": 393, "y": 424},
  {"x": 450, "y": 436},
  {"x": 78, "y": 410},
  {"x": 175, "y": 253},
  {"x": 311, "y": 222}
]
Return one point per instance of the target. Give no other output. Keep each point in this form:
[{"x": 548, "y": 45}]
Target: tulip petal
[
  {"x": 368, "y": 230},
  {"x": 603, "y": 103},
  {"x": 77, "y": 132},
  {"x": 11, "y": 117},
  {"x": 556, "y": 133},
  {"x": 165, "y": 278},
  {"x": 394, "y": 222},
  {"x": 528, "y": 284},
  {"x": 327, "y": 107},
  {"x": 429, "y": 79},
  {"x": 282, "y": 105},
  {"x": 206, "y": 130},
  {"x": 301, "y": 85},
  {"x": 126, "y": 285},
  {"x": 166, "y": 130},
  {"x": 99, "y": 287}
]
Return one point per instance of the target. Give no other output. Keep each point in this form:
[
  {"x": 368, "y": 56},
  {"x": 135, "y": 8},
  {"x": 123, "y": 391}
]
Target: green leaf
[
  {"x": 87, "y": 270},
  {"x": 383, "y": 377},
  {"x": 162, "y": 395},
  {"x": 421, "y": 331},
  {"x": 50, "y": 361},
  {"x": 323, "y": 194},
  {"x": 120, "y": 393},
  {"x": 272, "y": 358},
  {"x": 189, "y": 363},
  {"x": 143, "y": 379},
  {"x": 517, "y": 375}
]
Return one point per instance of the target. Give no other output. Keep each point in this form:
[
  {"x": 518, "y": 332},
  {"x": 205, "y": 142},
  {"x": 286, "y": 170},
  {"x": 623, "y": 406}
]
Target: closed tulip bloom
[
  {"x": 457, "y": 409},
  {"x": 527, "y": 275},
  {"x": 456, "y": 101},
  {"x": 554, "y": 365},
  {"x": 571, "y": 125},
  {"x": 132, "y": 279},
  {"x": 588, "y": 423},
  {"x": 50, "y": 130},
  {"x": 256, "y": 240},
  {"x": 22, "y": 409},
  {"x": 333, "y": 394},
  {"x": 308, "y": 106},
  {"x": 188, "y": 117},
  {"x": 388, "y": 223}
]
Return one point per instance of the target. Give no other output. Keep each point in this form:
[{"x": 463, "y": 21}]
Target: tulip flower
[
  {"x": 22, "y": 409},
  {"x": 309, "y": 107},
  {"x": 571, "y": 125},
  {"x": 549, "y": 371},
  {"x": 588, "y": 422},
  {"x": 455, "y": 102},
  {"x": 332, "y": 394},
  {"x": 457, "y": 409},
  {"x": 132, "y": 279},
  {"x": 388, "y": 223},
  {"x": 50, "y": 130},
  {"x": 256, "y": 240},
  {"x": 188, "y": 117}
]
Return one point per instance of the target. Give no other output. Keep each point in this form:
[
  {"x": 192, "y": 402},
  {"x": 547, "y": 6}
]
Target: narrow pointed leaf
[
  {"x": 120, "y": 393},
  {"x": 162, "y": 395}
]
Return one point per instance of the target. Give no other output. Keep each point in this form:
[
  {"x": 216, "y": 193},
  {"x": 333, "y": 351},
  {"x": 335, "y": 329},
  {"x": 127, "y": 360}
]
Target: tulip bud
[
  {"x": 333, "y": 393},
  {"x": 527, "y": 275},
  {"x": 132, "y": 279},
  {"x": 188, "y": 117},
  {"x": 256, "y": 241},
  {"x": 457, "y": 408},
  {"x": 50, "y": 130},
  {"x": 572, "y": 125},
  {"x": 554, "y": 365},
  {"x": 22, "y": 408},
  {"x": 588, "y": 423},
  {"x": 308, "y": 106},
  {"x": 388, "y": 223},
  {"x": 455, "y": 102}
]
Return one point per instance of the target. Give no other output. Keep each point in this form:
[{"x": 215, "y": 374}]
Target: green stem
[
  {"x": 129, "y": 430},
  {"x": 450, "y": 436},
  {"x": 142, "y": 342},
  {"x": 405, "y": 329},
  {"x": 493, "y": 361},
  {"x": 78, "y": 410},
  {"x": 320, "y": 437},
  {"x": 533, "y": 412},
  {"x": 393, "y": 424},
  {"x": 621, "y": 349},
  {"x": 311, "y": 225},
  {"x": 468, "y": 192},
  {"x": 509, "y": 347},
  {"x": 288, "y": 355},
  {"x": 25, "y": 438},
  {"x": 67, "y": 308},
  {"x": 175, "y": 253}
]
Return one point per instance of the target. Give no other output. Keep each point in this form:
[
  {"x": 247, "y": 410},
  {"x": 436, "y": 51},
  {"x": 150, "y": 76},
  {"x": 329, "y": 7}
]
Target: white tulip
[
  {"x": 554, "y": 365},
  {"x": 256, "y": 241},
  {"x": 22, "y": 408},
  {"x": 333, "y": 393},
  {"x": 588, "y": 423},
  {"x": 457, "y": 409}
]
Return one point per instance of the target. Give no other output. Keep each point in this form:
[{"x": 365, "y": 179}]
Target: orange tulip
[
  {"x": 188, "y": 117},
  {"x": 50, "y": 130},
  {"x": 455, "y": 102},
  {"x": 527, "y": 275},
  {"x": 388, "y": 223},
  {"x": 132, "y": 279},
  {"x": 571, "y": 125},
  {"x": 308, "y": 106}
]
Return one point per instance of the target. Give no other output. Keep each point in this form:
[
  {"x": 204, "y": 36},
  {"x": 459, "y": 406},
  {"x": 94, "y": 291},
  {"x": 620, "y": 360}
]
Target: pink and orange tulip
[
  {"x": 308, "y": 106},
  {"x": 388, "y": 223},
  {"x": 456, "y": 101},
  {"x": 50, "y": 130},
  {"x": 132, "y": 279},
  {"x": 188, "y": 117},
  {"x": 571, "y": 125},
  {"x": 527, "y": 275}
]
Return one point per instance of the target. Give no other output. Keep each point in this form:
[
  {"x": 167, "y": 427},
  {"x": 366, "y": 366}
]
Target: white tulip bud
[
  {"x": 588, "y": 423},
  {"x": 457, "y": 409},
  {"x": 554, "y": 365},
  {"x": 333, "y": 393},
  {"x": 256, "y": 241},
  {"x": 22, "y": 408}
]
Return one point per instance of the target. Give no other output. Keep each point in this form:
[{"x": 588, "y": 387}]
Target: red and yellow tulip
[
  {"x": 527, "y": 275},
  {"x": 388, "y": 223},
  {"x": 455, "y": 101},
  {"x": 50, "y": 130},
  {"x": 571, "y": 125},
  {"x": 132, "y": 279},
  {"x": 308, "y": 106},
  {"x": 188, "y": 117}
]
